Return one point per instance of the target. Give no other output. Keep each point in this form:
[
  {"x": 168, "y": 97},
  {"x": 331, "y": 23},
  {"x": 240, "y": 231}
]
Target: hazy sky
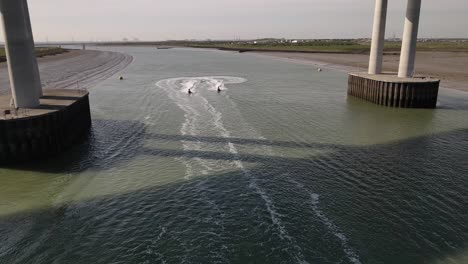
[{"x": 227, "y": 19}]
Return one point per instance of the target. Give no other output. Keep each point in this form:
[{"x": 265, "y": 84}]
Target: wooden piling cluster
[{"x": 394, "y": 92}]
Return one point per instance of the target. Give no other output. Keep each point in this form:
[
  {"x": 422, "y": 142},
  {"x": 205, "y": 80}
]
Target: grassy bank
[
  {"x": 40, "y": 52},
  {"x": 312, "y": 46},
  {"x": 327, "y": 46}
]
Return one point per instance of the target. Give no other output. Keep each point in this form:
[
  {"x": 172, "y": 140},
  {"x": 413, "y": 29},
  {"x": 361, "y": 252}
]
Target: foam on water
[
  {"x": 177, "y": 89},
  {"x": 315, "y": 203},
  {"x": 352, "y": 256}
]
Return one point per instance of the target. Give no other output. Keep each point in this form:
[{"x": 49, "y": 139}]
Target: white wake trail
[
  {"x": 335, "y": 230},
  {"x": 177, "y": 89}
]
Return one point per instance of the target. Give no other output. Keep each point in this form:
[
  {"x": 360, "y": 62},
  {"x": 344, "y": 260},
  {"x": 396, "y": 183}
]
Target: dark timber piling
[{"x": 389, "y": 90}]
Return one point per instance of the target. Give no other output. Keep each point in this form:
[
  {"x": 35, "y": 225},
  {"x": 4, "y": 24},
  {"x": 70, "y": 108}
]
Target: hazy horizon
[{"x": 147, "y": 20}]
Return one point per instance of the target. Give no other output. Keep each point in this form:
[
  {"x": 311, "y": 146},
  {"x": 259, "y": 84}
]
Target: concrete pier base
[
  {"x": 389, "y": 90},
  {"x": 62, "y": 119}
]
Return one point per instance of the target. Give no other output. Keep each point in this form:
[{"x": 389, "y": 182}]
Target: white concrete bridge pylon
[
  {"x": 378, "y": 37},
  {"x": 19, "y": 46},
  {"x": 410, "y": 39}
]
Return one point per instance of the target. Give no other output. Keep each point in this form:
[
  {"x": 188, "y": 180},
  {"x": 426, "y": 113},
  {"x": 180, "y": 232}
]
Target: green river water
[{"x": 279, "y": 167}]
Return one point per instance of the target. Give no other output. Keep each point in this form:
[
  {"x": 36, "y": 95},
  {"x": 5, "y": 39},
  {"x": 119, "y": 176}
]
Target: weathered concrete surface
[
  {"x": 62, "y": 119},
  {"x": 390, "y": 90}
]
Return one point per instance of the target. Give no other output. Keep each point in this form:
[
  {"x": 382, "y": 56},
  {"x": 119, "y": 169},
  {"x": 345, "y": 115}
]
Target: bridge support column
[
  {"x": 410, "y": 39},
  {"x": 378, "y": 37},
  {"x": 19, "y": 46},
  {"x": 404, "y": 91}
]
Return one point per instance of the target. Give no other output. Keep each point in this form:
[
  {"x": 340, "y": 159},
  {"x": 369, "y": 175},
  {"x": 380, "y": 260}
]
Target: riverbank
[
  {"x": 443, "y": 59},
  {"x": 40, "y": 52},
  {"x": 450, "y": 67},
  {"x": 74, "y": 69}
]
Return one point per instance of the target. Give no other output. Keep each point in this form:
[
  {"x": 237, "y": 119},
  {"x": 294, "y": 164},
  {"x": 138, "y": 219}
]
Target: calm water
[{"x": 280, "y": 167}]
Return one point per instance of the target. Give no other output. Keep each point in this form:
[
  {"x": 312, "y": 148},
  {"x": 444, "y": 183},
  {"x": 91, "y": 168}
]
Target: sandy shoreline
[
  {"x": 77, "y": 68},
  {"x": 86, "y": 68},
  {"x": 450, "y": 67}
]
